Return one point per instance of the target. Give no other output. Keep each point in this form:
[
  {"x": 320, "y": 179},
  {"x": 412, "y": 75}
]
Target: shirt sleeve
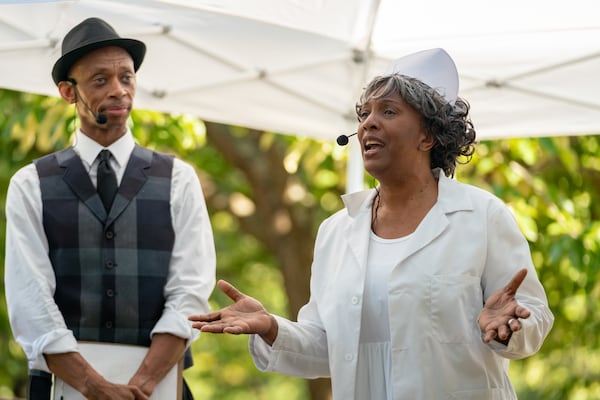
[
  {"x": 300, "y": 349},
  {"x": 508, "y": 252},
  {"x": 191, "y": 276},
  {"x": 36, "y": 322}
]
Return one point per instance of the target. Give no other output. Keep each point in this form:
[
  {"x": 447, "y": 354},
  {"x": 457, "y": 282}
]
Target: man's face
[{"x": 106, "y": 82}]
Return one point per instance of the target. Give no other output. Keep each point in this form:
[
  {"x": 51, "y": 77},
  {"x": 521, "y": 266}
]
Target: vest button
[
  {"x": 109, "y": 234},
  {"x": 108, "y": 324},
  {"x": 109, "y": 264},
  {"x": 110, "y": 293}
]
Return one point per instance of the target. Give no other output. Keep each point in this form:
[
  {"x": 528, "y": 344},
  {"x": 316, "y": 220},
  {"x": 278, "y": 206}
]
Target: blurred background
[
  {"x": 267, "y": 193},
  {"x": 262, "y": 68}
]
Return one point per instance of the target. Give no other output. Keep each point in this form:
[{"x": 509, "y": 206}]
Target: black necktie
[{"x": 107, "y": 180}]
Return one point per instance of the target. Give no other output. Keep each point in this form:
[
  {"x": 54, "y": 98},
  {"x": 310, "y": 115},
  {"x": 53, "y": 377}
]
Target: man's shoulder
[
  {"x": 24, "y": 173},
  {"x": 148, "y": 152},
  {"x": 150, "y": 158},
  {"x": 57, "y": 155}
]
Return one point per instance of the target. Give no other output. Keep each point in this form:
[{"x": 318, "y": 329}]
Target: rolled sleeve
[
  {"x": 193, "y": 262},
  {"x": 55, "y": 342},
  {"x": 507, "y": 253},
  {"x": 36, "y": 322}
]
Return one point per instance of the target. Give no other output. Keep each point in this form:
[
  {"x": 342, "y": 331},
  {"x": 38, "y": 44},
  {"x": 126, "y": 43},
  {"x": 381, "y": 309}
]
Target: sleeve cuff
[
  {"x": 174, "y": 324},
  {"x": 55, "y": 342}
]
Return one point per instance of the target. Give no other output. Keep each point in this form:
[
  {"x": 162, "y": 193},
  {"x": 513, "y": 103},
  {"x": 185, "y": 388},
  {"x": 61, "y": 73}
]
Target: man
[{"x": 87, "y": 266}]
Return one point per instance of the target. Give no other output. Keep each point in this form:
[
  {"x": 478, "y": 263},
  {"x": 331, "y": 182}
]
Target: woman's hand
[
  {"x": 501, "y": 312},
  {"x": 245, "y": 316}
]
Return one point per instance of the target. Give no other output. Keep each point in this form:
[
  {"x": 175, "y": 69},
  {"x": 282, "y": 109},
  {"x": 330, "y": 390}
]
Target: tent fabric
[{"x": 528, "y": 68}]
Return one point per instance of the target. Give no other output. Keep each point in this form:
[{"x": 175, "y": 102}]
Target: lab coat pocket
[{"x": 455, "y": 301}]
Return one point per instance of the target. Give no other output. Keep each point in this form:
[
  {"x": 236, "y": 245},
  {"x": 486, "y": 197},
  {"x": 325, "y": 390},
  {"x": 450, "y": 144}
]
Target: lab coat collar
[{"x": 451, "y": 197}]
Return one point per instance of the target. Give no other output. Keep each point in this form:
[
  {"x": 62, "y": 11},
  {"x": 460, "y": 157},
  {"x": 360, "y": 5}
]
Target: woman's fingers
[
  {"x": 230, "y": 290},
  {"x": 515, "y": 282}
]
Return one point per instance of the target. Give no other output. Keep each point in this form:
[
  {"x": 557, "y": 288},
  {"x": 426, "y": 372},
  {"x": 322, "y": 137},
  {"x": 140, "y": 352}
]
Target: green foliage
[
  {"x": 553, "y": 188},
  {"x": 29, "y": 127},
  {"x": 551, "y": 184}
]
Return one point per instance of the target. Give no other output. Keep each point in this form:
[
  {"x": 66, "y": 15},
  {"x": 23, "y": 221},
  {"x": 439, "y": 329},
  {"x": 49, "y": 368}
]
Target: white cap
[{"x": 433, "y": 67}]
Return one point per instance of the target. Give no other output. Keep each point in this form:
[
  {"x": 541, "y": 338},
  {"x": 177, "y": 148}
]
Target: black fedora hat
[{"x": 92, "y": 34}]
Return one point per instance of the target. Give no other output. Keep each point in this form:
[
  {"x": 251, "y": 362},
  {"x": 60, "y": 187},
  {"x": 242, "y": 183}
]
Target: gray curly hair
[{"x": 449, "y": 124}]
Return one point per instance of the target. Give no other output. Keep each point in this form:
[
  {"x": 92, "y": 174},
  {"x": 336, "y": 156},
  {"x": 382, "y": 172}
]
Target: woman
[{"x": 414, "y": 283}]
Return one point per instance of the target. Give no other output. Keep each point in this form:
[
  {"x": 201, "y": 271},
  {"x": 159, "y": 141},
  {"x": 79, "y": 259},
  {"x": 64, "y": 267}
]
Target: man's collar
[{"x": 88, "y": 149}]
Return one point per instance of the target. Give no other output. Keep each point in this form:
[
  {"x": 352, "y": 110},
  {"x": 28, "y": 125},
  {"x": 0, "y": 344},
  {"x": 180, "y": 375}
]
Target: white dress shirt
[{"x": 36, "y": 322}]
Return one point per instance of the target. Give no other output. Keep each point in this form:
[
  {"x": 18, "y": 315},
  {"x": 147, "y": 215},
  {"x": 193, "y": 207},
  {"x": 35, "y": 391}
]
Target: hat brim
[{"x": 63, "y": 65}]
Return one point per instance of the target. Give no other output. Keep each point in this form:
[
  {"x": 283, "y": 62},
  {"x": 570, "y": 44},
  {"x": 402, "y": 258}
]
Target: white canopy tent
[{"x": 528, "y": 68}]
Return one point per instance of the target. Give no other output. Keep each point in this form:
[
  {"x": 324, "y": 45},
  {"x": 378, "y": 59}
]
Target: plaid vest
[{"x": 110, "y": 269}]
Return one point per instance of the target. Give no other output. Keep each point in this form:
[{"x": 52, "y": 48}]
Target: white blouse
[{"x": 374, "y": 378}]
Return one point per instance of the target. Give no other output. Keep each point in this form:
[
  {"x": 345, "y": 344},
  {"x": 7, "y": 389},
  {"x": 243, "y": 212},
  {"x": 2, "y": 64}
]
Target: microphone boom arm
[
  {"x": 101, "y": 118},
  {"x": 342, "y": 140}
]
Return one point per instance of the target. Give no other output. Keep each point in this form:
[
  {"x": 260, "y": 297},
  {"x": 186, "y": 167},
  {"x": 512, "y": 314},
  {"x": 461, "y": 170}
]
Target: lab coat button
[
  {"x": 355, "y": 300},
  {"x": 348, "y": 357}
]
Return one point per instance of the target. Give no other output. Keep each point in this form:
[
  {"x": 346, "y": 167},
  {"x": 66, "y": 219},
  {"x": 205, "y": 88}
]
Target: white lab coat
[{"x": 467, "y": 247}]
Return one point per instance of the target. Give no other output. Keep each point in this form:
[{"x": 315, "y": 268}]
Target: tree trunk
[{"x": 291, "y": 242}]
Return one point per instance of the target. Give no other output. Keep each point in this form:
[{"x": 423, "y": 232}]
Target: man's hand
[
  {"x": 501, "y": 312},
  {"x": 110, "y": 391},
  {"x": 74, "y": 370},
  {"x": 165, "y": 351},
  {"x": 245, "y": 316}
]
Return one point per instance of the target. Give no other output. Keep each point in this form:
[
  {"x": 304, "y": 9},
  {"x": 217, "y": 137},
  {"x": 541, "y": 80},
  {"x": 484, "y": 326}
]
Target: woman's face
[{"x": 393, "y": 141}]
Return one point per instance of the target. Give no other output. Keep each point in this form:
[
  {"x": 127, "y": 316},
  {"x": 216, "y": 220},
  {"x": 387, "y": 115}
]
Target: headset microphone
[
  {"x": 101, "y": 119},
  {"x": 342, "y": 140}
]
